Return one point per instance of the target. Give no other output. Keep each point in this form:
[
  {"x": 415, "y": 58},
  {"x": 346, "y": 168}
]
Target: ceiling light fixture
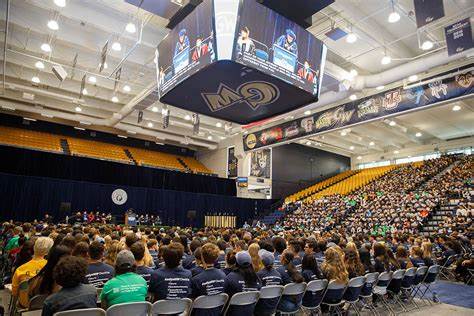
[
  {"x": 308, "y": 143},
  {"x": 418, "y": 134},
  {"x": 343, "y": 133},
  {"x": 39, "y": 64},
  {"x": 209, "y": 137},
  {"x": 380, "y": 88},
  {"x": 45, "y": 47},
  {"x": 84, "y": 91},
  {"x": 371, "y": 144},
  {"x": 392, "y": 123},
  {"x": 78, "y": 109},
  {"x": 53, "y": 25},
  {"x": 114, "y": 99},
  {"x": 386, "y": 60},
  {"x": 218, "y": 124},
  {"x": 154, "y": 109},
  {"x": 130, "y": 28},
  {"x": 353, "y": 73},
  {"x": 116, "y": 46},
  {"x": 393, "y": 17},
  {"x": 187, "y": 117},
  {"x": 353, "y": 97},
  {"x": 126, "y": 88},
  {"x": 427, "y": 45},
  {"x": 396, "y": 152},
  {"x": 35, "y": 79},
  {"x": 351, "y": 148},
  {"x": 413, "y": 78},
  {"x": 308, "y": 112},
  {"x": 351, "y": 38},
  {"x": 60, "y": 3},
  {"x": 456, "y": 108},
  {"x": 92, "y": 79},
  {"x": 359, "y": 157},
  {"x": 150, "y": 124}
]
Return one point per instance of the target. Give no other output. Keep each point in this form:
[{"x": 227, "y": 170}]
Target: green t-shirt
[
  {"x": 124, "y": 288},
  {"x": 12, "y": 243}
]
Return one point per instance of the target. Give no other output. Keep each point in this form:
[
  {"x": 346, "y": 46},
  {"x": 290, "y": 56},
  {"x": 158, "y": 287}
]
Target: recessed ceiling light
[
  {"x": 307, "y": 112},
  {"x": 154, "y": 109},
  {"x": 60, "y": 3},
  {"x": 92, "y": 79},
  {"x": 392, "y": 123},
  {"x": 418, "y": 134},
  {"x": 150, "y": 124},
  {"x": 114, "y": 99},
  {"x": 351, "y": 148},
  {"x": 78, "y": 109},
  {"x": 353, "y": 72},
  {"x": 126, "y": 88},
  {"x": 222, "y": 137},
  {"x": 393, "y": 17},
  {"x": 343, "y": 133},
  {"x": 187, "y": 117},
  {"x": 456, "y": 108},
  {"x": 308, "y": 143},
  {"x": 209, "y": 137},
  {"x": 130, "y": 28},
  {"x": 427, "y": 45},
  {"x": 380, "y": 88},
  {"x": 84, "y": 91},
  {"x": 351, "y": 38},
  {"x": 39, "y": 64},
  {"x": 353, "y": 97},
  {"x": 45, "y": 47},
  {"x": 116, "y": 46},
  {"x": 371, "y": 144},
  {"x": 218, "y": 124},
  {"x": 35, "y": 79},
  {"x": 386, "y": 60},
  {"x": 359, "y": 157},
  {"x": 413, "y": 78},
  {"x": 396, "y": 152},
  {"x": 53, "y": 25},
  {"x": 105, "y": 66}
]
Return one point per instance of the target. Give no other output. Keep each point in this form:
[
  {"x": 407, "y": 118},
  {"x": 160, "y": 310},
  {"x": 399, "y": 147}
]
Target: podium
[{"x": 130, "y": 218}]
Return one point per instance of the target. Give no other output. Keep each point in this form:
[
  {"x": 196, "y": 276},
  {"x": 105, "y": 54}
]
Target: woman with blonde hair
[
  {"x": 112, "y": 252},
  {"x": 333, "y": 266},
  {"x": 427, "y": 248},
  {"x": 256, "y": 261}
]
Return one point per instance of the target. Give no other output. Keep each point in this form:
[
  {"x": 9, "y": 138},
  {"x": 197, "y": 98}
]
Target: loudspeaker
[
  {"x": 191, "y": 215},
  {"x": 59, "y": 72}
]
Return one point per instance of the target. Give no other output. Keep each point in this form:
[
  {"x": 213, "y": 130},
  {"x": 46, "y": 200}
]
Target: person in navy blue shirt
[
  {"x": 189, "y": 260},
  {"x": 98, "y": 273},
  {"x": 220, "y": 262},
  {"x": 310, "y": 269},
  {"x": 416, "y": 256},
  {"x": 138, "y": 250},
  {"x": 280, "y": 245},
  {"x": 230, "y": 262},
  {"x": 243, "y": 278},
  {"x": 268, "y": 275},
  {"x": 211, "y": 280},
  {"x": 172, "y": 281},
  {"x": 289, "y": 274},
  {"x": 199, "y": 266}
]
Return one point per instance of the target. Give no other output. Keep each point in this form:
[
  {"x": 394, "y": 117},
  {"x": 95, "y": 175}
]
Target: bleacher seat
[
  {"x": 95, "y": 149},
  {"x": 29, "y": 139}
]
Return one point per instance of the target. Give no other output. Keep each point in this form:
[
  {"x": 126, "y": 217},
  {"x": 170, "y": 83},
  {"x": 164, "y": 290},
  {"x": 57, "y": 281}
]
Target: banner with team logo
[
  {"x": 260, "y": 163},
  {"x": 388, "y": 103}
]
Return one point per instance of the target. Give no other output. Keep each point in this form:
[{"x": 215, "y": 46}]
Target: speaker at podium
[{"x": 131, "y": 218}]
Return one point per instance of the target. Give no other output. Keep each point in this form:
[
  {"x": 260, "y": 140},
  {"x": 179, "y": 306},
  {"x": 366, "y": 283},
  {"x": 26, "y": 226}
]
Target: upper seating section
[
  {"x": 99, "y": 150},
  {"x": 29, "y": 139}
]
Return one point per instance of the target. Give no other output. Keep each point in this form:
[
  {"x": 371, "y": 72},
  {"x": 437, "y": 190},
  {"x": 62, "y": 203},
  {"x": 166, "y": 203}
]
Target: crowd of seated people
[{"x": 68, "y": 263}]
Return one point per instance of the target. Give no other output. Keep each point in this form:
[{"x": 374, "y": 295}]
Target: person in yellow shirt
[{"x": 30, "y": 269}]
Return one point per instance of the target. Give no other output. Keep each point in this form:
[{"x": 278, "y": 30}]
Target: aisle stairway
[
  {"x": 438, "y": 216},
  {"x": 273, "y": 217},
  {"x": 65, "y": 146}
]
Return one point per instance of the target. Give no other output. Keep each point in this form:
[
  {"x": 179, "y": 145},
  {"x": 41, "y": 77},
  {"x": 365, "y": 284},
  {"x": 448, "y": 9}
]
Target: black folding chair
[
  {"x": 395, "y": 287},
  {"x": 366, "y": 293},
  {"x": 333, "y": 297},
  {"x": 313, "y": 296},
  {"x": 407, "y": 285},
  {"x": 428, "y": 281},
  {"x": 380, "y": 289},
  {"x": 352, "y": 293}
]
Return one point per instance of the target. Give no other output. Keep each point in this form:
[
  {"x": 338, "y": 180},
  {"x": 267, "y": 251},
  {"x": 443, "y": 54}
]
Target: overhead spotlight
[
  {"x": 307, "y": 112},
  {"x": 351, "y": 38},
  {"x": 53, "y": 25},
  {"x": 359, "y": 157},
  {"x": 386, "y": 60},
  {"x": 218, "y": 124},
  {"x": 222, "y": 137},
  {"x": 380, "y": 88},
  {"x": 130, "y": 28},
  {"x": 413, "y": 78},
  {"x": 39, "y": 64},
  {"x": 351, "y": 148},
  {"x": 35, "y": 79},
  {"x": 396, "y": 152},
  {"x": 392, "y": 123},
  {"x": 427, "y": 45},
  {"x": 393, "y": 17},
  {"x": 353, "y": 73},
  {"x": 78, "y": 109},
  {"x": 84, "y": 91},
  {"x": 116, "y": 46},
  {"x": 418, "y": 134},
  {"x": 456, "y": 108},
  {"x": 353, "y": 97},
  {"x": 209, "y": 137},
  {"x": 371, "y": 144},
  {"x": 150, "y": 124},
  {"x": 60, "y": 3},
  {"x": 154, "y": 109},
  {"x": 105, "y": 66},
  {"x": 126, "y": 88},
  {"x": 114, "y": 99},
  {"x": 309, "y": 143},
  {"x": 45, "y": 47},
  {"x": 343, "y": 133},
  {"x": 187, "y": 117},
  {"x": 92, "y": 79}
]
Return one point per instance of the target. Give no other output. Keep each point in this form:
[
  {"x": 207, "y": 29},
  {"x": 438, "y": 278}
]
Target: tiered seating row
[{"x": 29, "y": 139}]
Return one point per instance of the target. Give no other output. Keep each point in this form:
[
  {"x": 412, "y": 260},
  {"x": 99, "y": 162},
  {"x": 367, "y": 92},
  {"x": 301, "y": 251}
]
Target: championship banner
[
  {"x": 427, "y": 11},
  {"x": 232, "y": 163},
  {"x": 260, "y": 163},
  {"x": 459, "y": 36},
  {"x": 388, "y": 103},
  {"x": 103, "y": 56}
]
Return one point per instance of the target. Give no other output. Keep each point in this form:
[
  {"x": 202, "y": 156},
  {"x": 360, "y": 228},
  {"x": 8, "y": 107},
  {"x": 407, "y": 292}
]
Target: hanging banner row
[{"x": 394, "y": 101}]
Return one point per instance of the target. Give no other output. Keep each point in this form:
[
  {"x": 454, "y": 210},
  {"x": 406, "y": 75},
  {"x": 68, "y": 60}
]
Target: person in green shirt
[
  {"x": 126, "y": 286},
  {"x": 13, "y": 242}
]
